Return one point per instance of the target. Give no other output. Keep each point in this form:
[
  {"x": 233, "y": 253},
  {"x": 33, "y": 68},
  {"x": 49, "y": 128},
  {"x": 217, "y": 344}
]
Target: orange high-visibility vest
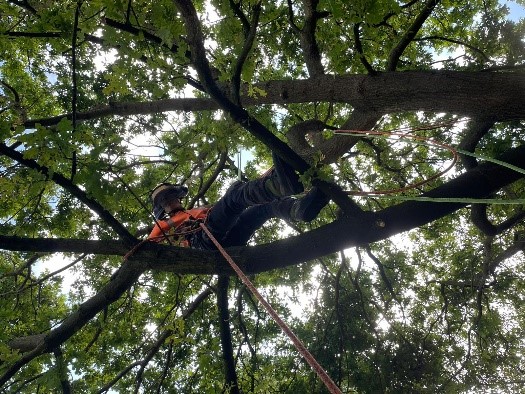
[{"x": 178, "y": 224}]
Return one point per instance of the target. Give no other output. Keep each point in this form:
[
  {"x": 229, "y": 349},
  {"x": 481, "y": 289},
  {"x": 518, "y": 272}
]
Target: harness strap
[
  {"x": 184, "y": 228},
  {"x": 329, "y": 383}
]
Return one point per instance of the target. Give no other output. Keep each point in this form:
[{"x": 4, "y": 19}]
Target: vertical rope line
[
  {"x": 404, "y": 137},
  {"x": 329, "y": 383},
  {"x": 239, "y": 170}
]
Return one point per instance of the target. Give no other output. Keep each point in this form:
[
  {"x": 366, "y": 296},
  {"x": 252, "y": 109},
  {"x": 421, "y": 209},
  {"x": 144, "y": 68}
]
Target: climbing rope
[
  {"x": 406, "y": 135},
  {"x": 410, "y": 137},
  {"x": 329, "y": 383}
]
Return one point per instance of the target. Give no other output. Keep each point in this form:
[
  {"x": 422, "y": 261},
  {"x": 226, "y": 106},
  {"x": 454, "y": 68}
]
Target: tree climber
[{"x": 243, "y": 209}]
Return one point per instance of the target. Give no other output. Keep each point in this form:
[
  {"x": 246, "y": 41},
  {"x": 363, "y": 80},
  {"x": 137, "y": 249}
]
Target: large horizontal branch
[
  {"x": 491, "y": 94},
  {"x": 187, "y": 260},
  {"x": 371, "y": 227}
]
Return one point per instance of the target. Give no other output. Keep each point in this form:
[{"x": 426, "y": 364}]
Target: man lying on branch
[{"x": 243, "y": 209}]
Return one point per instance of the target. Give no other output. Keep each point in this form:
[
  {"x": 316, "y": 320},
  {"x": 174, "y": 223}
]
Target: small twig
[
  {"x": 359, "y": 49},
  {"x": 459, "y": 42},
  {"x": 46, "y": 277}
]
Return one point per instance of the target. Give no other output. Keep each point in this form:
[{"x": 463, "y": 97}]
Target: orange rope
[
  {"x": 329, "y": 383},
  {"x": 134, "y": 249},
  {"x": 411, "y": 136}
]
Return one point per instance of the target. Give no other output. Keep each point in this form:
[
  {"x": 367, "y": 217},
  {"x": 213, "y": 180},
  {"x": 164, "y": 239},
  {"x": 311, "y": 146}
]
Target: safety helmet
[{"x": 163, "y": 193}]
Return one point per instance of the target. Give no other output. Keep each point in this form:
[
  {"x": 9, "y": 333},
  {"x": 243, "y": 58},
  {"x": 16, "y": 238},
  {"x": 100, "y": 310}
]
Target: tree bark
[
  {"x": 121, "y": 280},
  {"x": 230, "y": 374},
  {"x": 488, "y": 94}
]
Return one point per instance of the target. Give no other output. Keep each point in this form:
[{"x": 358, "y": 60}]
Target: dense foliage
[{"x": 102, "y": 100}]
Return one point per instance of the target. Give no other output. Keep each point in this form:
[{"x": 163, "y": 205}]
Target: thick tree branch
[
  {"x": 510, "y": 221},
  {"x": 337, "y": 146},
  {"x": 12, "y": 89},
  {"x": 489, "y": 94},
  {"x": 17, "y": 105},
  {"x": 121, "y": 281},
  {"x": 230, "y": 374},
  {"x": 298, "y": 132},
  {"x": 312, "y": 55},
  {"x": 331, "y": 238},
  {"x": 475, "y": 131},
  {"x": 249, "y": 38},
  {"x": 332, "y": 148},
  {"x": 517, "y": 246},
  {"x": 26, "y": 344},
  {"x": 480, "y": 219},
  {"x": 241, "y": 116}
]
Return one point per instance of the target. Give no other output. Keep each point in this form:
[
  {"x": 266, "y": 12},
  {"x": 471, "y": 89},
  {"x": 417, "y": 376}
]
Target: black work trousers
[{"x": 243, "y": 209}]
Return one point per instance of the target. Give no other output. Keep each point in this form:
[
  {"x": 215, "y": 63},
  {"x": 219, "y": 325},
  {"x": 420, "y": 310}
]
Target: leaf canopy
[{"x": 102, "y": 100}]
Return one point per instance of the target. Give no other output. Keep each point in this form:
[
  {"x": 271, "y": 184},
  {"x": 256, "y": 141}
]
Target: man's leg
[
  {"x": 268, "y": 191},
  {"x": 244, "y": 225},
  {"x": 281, "y": 182},
  {"x": 253, "y": 218},
  {"x": 304, "y": 209},
  {"x": 242, "y": 198},
  {"x": 226, "y": 212}
]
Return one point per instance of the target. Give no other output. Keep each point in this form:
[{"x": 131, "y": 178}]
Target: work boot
[
  {"x": 306, "y": 208},
  {"x": 283, "y": 180}
]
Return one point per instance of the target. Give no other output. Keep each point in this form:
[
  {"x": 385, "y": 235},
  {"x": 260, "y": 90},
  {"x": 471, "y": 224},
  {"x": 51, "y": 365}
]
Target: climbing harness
[
  {"x": 329, "y": 383},
  {"x": 179, "y": 225}
]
